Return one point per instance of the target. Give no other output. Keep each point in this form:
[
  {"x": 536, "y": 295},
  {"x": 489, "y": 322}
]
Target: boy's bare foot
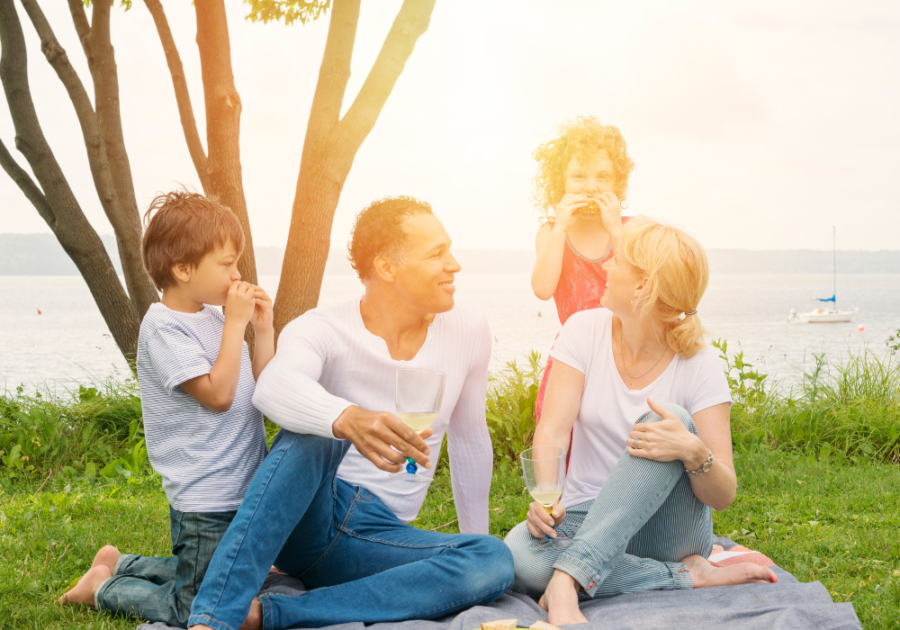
[
  {"x": 254, "y": 617},
  {"x": 705, "y": 574},
  {"x": 107, "y": 556},
  {"x": 252, "y": 622},
  {"x": 560, "y": 600},
  {"x": 83, "y": 592}
]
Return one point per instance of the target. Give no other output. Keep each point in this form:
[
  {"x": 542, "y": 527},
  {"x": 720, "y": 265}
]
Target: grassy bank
[
  {"x": 817, "y": 467},
  {"x": 820, "y": 521}
]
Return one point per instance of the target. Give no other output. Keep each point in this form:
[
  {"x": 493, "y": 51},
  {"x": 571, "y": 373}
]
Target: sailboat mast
[{"x": 834, "y": 262}]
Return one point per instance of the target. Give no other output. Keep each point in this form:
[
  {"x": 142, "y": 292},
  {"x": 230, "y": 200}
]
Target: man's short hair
[
  {"x": 379, "y": 230},
  {"x": 184, "y": 228}
]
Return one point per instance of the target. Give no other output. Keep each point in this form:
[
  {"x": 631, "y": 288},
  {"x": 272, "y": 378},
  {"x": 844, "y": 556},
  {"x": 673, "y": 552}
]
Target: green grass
[{"x": 819, "y": 520}]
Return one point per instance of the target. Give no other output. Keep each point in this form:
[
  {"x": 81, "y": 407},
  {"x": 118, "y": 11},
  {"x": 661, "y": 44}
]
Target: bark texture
[
  {"x": 223, "y": 121},
  {"x": 119, "y": 202},
  {"x": 53, "y": 197},
  {"x": 182, "y": 94},
  {"x": 331, "y": 144}
]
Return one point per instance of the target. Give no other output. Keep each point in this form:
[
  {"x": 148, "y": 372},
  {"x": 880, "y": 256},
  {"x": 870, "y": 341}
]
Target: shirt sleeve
[
  {"x": 468, "y": 440},
  {"x": 575, "y": 341},
  {"x": 176, "y": 357},
  {"x": 288, "y": 391},
  {"x": 710, "y": 385}
]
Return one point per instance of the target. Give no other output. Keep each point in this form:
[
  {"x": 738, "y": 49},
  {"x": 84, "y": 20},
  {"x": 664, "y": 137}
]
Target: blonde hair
[{"x": 677, "y": 273}]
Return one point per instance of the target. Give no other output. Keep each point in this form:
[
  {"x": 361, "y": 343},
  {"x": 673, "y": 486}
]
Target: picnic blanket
[{"x": 787, "y": 605}]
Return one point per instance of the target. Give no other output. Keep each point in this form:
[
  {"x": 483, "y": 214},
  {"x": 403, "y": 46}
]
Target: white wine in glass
[
  {"x": 419, "y": 396},
  {"x": 545, "y": 475}
]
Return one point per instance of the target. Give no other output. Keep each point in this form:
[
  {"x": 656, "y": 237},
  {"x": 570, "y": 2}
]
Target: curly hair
[
  {"x": 580, "y": 139},
  {"x": 379, "y": 230},
  {"x": 185, "y": 227}
]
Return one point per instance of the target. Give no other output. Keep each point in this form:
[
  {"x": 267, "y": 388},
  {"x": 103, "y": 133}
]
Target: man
[{"x": 322, "y": 506}]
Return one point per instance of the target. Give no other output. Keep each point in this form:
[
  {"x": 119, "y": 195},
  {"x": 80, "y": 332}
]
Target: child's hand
[
  {"x": 240, "y": 302},
  {"x": 565, "y": 209},
  {"x": 262, "y": 313},
  {"x": 610, "y": 211}
]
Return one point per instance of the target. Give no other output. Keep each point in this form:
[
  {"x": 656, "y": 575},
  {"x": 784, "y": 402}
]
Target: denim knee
[{"x": 493, "y": 568}]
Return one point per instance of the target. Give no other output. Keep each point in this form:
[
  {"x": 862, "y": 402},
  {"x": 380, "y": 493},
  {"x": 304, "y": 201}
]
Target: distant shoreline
[{"x": 42, "y": 255}]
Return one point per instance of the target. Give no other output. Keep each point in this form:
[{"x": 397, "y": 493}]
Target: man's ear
[
  {"x": 182, "y": 272},
  {"x": 385, "y": 269}
]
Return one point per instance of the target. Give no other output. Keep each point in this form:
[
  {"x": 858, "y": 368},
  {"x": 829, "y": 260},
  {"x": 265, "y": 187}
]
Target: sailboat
[{"x": 830, "y": 314}]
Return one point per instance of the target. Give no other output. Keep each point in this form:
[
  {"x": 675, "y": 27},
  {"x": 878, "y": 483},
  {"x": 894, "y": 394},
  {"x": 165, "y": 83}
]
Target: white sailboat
[{"x": 829, "y": 314}]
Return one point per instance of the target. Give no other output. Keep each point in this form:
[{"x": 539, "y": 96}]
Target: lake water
[{"x": 69, "y": 342}]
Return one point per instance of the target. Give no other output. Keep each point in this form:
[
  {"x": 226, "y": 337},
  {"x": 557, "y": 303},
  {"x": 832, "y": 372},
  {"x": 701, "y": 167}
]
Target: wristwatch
[{"x": 706, "y": 465}]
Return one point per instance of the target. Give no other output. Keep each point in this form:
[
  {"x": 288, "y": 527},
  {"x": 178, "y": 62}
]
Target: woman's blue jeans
[{"x": 359, "y": 560}]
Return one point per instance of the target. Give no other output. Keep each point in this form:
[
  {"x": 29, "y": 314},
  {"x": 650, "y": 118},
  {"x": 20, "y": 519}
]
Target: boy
[{"x": 204, "y": 437}]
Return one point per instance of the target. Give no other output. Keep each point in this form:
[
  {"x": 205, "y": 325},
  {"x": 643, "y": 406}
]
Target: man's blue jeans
[
  {"x": 162, "y": 589},
  {"x": 359, "y": 560}
]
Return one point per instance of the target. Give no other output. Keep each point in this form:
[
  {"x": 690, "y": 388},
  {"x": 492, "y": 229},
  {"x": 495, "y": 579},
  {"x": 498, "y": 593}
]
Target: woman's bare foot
[
  {"x": 83, "y": 592},
  {"x": 560, "y": 600},
  {"x": 704, "y": 574},
  {"x": 107, "y": 556}
]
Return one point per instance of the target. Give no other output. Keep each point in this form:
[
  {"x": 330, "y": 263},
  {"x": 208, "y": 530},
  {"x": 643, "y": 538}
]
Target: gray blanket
[{"x": 787, "y": 605}]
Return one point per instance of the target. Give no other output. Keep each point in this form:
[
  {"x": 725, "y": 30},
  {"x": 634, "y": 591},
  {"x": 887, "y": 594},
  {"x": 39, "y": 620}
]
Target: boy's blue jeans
[
  {"x": 162, "y": 589},
  {"x": 361, "y": 562}
]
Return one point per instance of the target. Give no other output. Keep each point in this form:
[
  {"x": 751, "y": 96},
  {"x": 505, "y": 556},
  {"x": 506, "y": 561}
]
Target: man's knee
[{"x": 492, "y": 569}]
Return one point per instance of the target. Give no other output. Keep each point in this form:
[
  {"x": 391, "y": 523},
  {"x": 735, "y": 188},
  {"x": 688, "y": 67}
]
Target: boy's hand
[
  {"x": 262, "y": 317},
  {"x": 240, "y": 303}
]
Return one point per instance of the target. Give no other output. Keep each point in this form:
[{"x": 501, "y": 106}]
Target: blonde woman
[{"x": 651, "y": 451}]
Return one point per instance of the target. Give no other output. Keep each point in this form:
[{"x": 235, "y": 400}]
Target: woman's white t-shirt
[{"x": 609, "y": 409}]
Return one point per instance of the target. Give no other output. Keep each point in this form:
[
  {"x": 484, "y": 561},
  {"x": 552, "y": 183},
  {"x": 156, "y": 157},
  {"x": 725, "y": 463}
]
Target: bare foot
[
  {"x": 107, "y": 556},
  {"x": 704, "y": 574},
  {"x": 560, "y": 600},
  {"x": 254, "y": 617},
  {"x": 83, "y": 593}
]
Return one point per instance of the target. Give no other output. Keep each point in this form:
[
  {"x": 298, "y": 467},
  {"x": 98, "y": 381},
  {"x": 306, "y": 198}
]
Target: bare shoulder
[{"x": 543, "y": 234}]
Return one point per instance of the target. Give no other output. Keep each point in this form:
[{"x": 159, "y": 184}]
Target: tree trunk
[
  {"x": 331, "y": 145},
  {"x": 54, "y": 199},
  {"x": 102, "y": 63}
]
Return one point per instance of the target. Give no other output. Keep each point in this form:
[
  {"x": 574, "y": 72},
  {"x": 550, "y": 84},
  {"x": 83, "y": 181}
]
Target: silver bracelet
[{"x": 706, "y": 465}]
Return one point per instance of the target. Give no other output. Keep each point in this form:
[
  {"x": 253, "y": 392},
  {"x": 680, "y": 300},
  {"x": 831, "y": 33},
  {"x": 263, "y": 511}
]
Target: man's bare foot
[
  {"x": 254, "y": 617},
  {"x": 704, "y": 574},
  {"x": 560, "y": 600},
  {"x": 83, "y": 592},
  {"x": 107, "y": 556}
]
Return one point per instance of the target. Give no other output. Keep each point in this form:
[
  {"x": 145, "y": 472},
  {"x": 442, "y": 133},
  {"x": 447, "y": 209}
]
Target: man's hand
[{"x": 373, "y": 433}]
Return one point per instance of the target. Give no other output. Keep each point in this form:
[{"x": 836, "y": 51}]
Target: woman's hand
[
  {"x": 541, "y": 524},
  {"x": 565, "y": 209},
  {"x": 666, "y": 440}
]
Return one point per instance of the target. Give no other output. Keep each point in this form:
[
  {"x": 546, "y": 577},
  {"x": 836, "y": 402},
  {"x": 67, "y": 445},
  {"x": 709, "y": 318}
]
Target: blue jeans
[
  {"x": 632, "y": 537},
  {"x": 162, "y": 589},
  {"x": 359, "y": 560}
]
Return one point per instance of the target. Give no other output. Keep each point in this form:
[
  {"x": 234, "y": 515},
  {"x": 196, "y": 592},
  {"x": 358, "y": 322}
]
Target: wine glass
[
  {"x": 419, "y": 394},
  {"x": 545, "y": 476}
]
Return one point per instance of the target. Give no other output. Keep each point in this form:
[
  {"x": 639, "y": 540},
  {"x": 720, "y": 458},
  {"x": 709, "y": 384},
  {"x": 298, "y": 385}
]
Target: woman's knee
[
  {"x": 679, "y": 411},
  {"x": 533, "y": 568}
]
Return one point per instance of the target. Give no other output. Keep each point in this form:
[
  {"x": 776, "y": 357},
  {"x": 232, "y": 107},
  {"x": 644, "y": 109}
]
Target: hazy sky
[{"x": 753, "y": 124}]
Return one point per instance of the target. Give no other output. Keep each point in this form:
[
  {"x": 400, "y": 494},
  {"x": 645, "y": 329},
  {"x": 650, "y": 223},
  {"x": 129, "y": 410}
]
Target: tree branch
[
  {"x": 334, "y": 73},
  {"x": 182, "y": 95},
  {"x": 23, "y": 180},
  {"x": 412, "y": 21},
  {"x": 79, "y": 17}
]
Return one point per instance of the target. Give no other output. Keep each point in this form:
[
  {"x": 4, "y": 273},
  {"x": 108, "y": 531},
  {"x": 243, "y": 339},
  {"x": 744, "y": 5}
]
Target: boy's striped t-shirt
[{"x": 206, "y": 458}]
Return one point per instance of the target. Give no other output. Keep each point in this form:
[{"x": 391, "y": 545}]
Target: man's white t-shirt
[{"x": 609, "y": 409}]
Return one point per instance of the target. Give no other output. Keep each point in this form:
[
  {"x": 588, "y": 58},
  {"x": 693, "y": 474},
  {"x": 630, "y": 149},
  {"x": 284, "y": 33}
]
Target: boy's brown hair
[{"x": 186, "y": 227}]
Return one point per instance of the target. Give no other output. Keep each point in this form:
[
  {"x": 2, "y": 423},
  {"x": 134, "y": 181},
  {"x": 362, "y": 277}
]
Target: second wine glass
[{"x": 545, "y": 477}]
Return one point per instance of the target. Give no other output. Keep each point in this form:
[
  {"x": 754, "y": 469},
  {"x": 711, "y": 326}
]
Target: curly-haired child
[{"x": 581, "y": 184}]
